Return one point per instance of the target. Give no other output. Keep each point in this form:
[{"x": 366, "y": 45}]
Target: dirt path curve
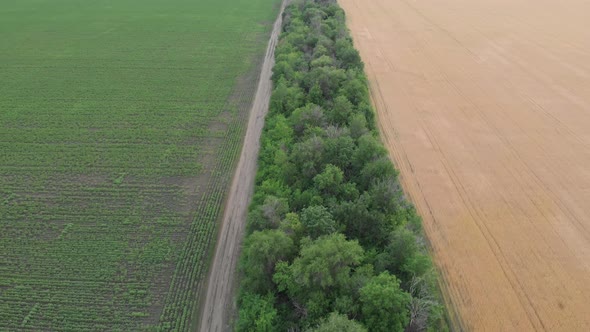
[
  {"x": 219, "y": 302},
  {"x": 485, "y": 108}
]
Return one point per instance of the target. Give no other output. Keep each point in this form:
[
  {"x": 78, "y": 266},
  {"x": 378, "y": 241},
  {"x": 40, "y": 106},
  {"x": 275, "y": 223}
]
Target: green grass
[{"x": 120, "y": 124}]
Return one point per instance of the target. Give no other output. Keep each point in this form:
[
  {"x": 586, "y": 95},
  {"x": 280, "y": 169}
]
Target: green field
[{"x": 120, "y": 124}]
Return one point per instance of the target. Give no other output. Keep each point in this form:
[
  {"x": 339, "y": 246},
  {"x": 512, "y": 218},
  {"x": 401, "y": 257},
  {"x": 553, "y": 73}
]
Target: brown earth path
[
  {"x": 219, "y": 303},
  {"x": 485, "y": 108}
]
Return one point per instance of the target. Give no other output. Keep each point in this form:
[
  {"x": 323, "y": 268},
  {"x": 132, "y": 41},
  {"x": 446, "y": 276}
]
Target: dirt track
[
  {"x": 485, "y": 107},
  {"x": 218, "y": 306}
]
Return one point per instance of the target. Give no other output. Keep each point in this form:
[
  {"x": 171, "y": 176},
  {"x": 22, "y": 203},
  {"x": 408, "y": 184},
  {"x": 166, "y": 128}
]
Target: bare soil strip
[
  {"x": 219, "y": 301},
  {"x": 484, "y": 106}
]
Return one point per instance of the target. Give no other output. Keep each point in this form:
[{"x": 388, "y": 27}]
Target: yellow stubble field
[{"x": 484, "y": 106}]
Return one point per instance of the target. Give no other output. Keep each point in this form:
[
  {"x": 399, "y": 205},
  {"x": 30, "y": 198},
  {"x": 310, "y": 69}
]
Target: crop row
[
  {"x": 180, "y": 307},
  {"x": 117, "y": 149}
]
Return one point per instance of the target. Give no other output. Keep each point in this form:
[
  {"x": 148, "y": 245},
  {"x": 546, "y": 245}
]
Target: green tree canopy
[
  {"x": 329, "y": 181},
  {"x": 257, "y": 313},
  {"x": 322, "y": 263},
  {"x": 338, "y": 323},
  {"x": 262, "y": 250},
  {"x": 385, "y": 306},
  {"x": 317, "y": 221}
]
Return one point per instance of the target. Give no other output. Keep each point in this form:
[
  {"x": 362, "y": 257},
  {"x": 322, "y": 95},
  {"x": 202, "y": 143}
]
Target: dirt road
[
  {"x": 485, "y": 108},
  {"x": 219, "y": 301}
]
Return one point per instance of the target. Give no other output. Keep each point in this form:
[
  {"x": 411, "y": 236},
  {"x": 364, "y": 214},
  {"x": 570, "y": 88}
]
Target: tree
[
  {"x": 384, "y": 304},
  {"x": 424, "y": 305},
  {"x": 347, "y": 300},
  {"x": 277, "y": 131},
  {"x": 270, "y": 212},
  {"x": 399, "y": 252},
  {"x": 285, "y": 99},
  {"x": 329, "y": 79},
  {"x": 322, "y": 61},
  {"x": 292, "y": 226},
  {"x": 317, "y": 221},
  {"x": 332, "y": 186},
  {"x": 309, "y": 116},
  {"x": 320, "y": 50},
  {"x": 283, "y": 70},
  {"x": 403, "y": 256},
  {"x": 387, "y": 195},
  {"x": 329, "y": 181},
  {"x": 273, "y": 158},
  {"x": 323, "y": 46},
  {"x": 340, "y": 150},
  {"x": 322, "y": 272},
  {"x": 270, "y": 187},
  {"x": 323, "y": 263},
  {"x": 361, "y": 222},
  {"x": 298, "y": 36},
  {"x": 315, "y": 94},
  {"x": 308, "y": 157},
  {"x": 305, "y": 198},
  {"x": 262, "y": 250},
  {"x": 358, "y": 125},
  {"x": 338, "y": 323},
  {"x": 341, "y": 111},
  {"x": 347, "y": 54},
  {"x": 257, "y": 313},
  {"x": 364, "y": 107},
  {"x": 274, "y": 209},
  {"x": 369, "y": 149},
  {"x": 376, "y": 170},
  {"x": 291, "y": 63},
  {"x": 354, "y": 88}
]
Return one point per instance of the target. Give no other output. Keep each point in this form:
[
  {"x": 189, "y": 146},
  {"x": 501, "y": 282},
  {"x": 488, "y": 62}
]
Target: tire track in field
[{"x": 219, "y": 303}]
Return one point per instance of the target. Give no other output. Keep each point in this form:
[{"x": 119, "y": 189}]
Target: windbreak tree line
[{"x": 331, "y": 244}]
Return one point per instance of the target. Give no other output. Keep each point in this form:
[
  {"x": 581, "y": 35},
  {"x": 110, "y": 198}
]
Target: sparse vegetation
[{"x": 332, "y": 243}]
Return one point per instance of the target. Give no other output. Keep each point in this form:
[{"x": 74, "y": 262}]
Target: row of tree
[{"x": 331, "y": 244}]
